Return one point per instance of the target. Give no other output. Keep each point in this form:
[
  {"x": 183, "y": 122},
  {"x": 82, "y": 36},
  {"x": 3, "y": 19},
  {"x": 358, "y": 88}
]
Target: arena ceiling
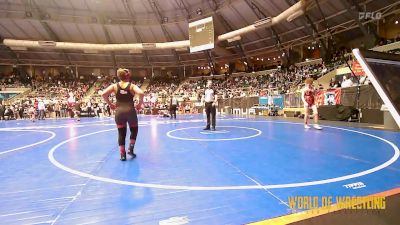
[{"x": 148, "y": 21}]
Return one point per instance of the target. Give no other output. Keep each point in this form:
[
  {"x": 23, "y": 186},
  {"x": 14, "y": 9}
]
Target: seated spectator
[{"x": 346, "y": 82}]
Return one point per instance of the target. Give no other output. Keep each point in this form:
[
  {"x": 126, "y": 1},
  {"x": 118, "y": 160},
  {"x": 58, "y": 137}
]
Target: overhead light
[
  {"x": 47, "y": 43},
  {"x": 279, "y": 57},
  {"x": 309, "y": 47},
  {"x": 135, "y": 51},
  {"x": 283, "y": 54},
  {"x": 396, "y": 22},
  {"x": 263, "y": 22},
  {"x": 18, "y": 48},
  {"x": 90, "y": 51},
  {"x": 274, "y": 58},
  {"x": 262, "y": 59},
  {"x": 184, "y": 49},
  {"x": 269, "y": 59},
  {"x": 236, "y": 38},
  {"x": 245, "y": 63},
  {"x": 258, "y": 59},
  {"x": 199, "y": 11}
]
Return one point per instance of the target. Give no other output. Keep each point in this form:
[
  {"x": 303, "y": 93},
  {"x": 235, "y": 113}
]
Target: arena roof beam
[
  {"x": 228, "y": 27},
  {"x": 7, "y": 49},
  {"x": 128, "y": 8},
  {"x": 83, "y": 16},
  {"x": 339, "y": 28},
  {"x": 261, "y": 15},
  {"x": 107, "y": 35},
  {"x": 319, "y": 22},
  {"x": 102, "y": 47},
  {"x": 167, "y": 35},
  {"x": 355, "y": 13},
  {"x": 182, "y": 6},
  {"x": 108, "y": 38},
  {"x": 48, "y": 29},
  {"x": 237, "y": 43},
  {"x": 311, "y": 25},
  {"x": 210, "y": 60},
  {"x": 288, "y": 15}
]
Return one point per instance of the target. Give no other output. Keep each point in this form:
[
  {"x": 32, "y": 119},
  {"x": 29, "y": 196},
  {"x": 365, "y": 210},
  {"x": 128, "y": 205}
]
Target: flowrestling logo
[
  {"x": 370, "y": 15},
  {"x": 353, "y": 186}
]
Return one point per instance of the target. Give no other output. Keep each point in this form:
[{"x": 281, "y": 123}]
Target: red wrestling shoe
[{"x": 123, "y": 156}]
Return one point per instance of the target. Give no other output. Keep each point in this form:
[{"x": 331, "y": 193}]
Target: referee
[
  {"x": 173, "y": 106},
  {"x": 211, "y": 102}
]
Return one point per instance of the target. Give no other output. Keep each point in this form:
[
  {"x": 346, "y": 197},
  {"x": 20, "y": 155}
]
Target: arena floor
[{"x": 67, "y": 172}]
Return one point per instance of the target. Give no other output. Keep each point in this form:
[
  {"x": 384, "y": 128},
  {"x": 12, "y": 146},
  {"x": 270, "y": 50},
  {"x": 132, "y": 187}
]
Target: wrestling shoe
[
  {"x": 213, "y": 129},
  {"x": 207, "y": 128},
  {"x": 306, "y": 126},
  {"x": 318, "y": 127},
  {"x": 123, "y": 156},
  {"x": 131, "y": 153}
]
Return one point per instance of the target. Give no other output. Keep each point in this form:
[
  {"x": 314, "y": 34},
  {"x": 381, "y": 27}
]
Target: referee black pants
[
  {"x": 172, "y": 111},
  {"x": 210, "y": 111}
]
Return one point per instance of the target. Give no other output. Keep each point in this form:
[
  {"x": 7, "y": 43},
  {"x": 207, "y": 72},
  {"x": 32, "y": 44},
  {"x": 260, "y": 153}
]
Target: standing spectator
[
  {"x": 64, "y": 109},
  {"x": 57, "y": 109},
  {"x": 77, "y": 110},
  {"x": 8, "y": 113},
  {"x": 89, "y": 108},
  {"x": 41, "y": 108},
  {"x": 32, "y": 112},
  {"x": 2, "y": 111},
  {"x": 21, "y": 110},
  {"x": 96, "y": 109},
  {"x": 14, "y": 109}
]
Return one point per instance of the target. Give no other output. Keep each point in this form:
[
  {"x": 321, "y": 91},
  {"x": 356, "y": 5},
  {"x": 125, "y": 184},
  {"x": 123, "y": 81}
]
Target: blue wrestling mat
[{"x": 67, "y": 172}]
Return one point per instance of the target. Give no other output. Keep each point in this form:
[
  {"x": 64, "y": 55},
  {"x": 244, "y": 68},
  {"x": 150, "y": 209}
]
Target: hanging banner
[
  {"x": 329, "y": 97},
  {"x": 357, "y": 69}
]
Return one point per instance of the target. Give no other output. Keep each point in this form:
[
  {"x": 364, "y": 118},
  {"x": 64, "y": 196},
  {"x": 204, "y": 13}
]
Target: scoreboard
[{"x": 201, "y": 34}]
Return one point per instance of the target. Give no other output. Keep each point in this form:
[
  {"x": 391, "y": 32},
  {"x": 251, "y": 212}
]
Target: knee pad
[
  {"x": 134, "y": 132},
  {"x": 121, "y": 135}
]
